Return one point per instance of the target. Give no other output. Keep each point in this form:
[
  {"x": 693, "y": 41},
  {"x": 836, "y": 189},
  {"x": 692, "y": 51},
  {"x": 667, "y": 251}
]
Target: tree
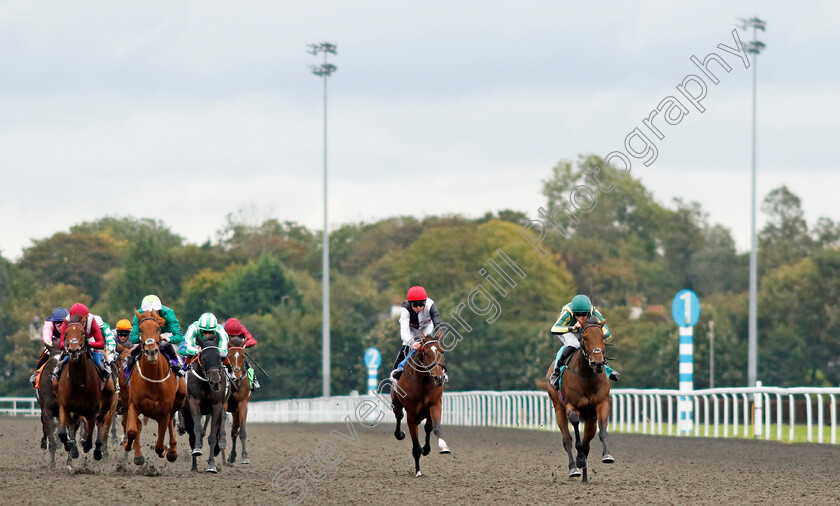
[
  {"x": 77, "y": 259},
  {"x": 784, "y": 239}
]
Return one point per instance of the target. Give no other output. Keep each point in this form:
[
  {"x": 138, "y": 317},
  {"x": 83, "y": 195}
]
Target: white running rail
[{"x": 761, "y": 412}]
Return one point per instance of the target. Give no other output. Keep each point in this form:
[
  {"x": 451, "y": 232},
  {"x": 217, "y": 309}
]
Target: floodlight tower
[
  {"x": 325, "y": 70},
  {"x": 754, "y": 47}
]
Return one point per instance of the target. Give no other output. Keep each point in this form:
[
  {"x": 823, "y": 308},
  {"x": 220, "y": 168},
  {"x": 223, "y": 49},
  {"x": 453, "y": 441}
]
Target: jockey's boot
[
  {"x": 132, "y": 359},
  {"x": 104, "y": 373},
  {"x": 612, "y": 374},
  {"x": 395, "y": 374},
  {"x": 445, "y": 373},
  {"x": 256, "y": 384},
  {"x": 33, "y": 378}
]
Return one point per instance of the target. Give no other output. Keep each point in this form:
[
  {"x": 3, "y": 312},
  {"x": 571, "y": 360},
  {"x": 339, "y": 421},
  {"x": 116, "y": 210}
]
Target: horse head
[
  {"x": 210, "y": 362},
  {"x": 429, "y": 359},
  {"x": 236, "y": 354},
  {"x": 592, "y": 344},
  {"x": 75, "y": 341},
  {"x": 149, "y": 324}
]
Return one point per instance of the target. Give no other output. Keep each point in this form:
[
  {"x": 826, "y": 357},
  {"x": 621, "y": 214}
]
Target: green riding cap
[{"x": 581, "y": 304}]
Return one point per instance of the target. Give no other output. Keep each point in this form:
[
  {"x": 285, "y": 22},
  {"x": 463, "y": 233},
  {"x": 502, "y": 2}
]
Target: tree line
[{"x": 630, "y": 255}]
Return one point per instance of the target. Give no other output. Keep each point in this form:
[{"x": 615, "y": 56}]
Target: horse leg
[
  {"x": 71, "y": 438},
  {"x": 52, "y": 444},
  {"x": 243, "y": 418},
  {"x": 588, "y": 435},
  {"x": 603, "y": 414},
  {"x": 196, "y": 437},
  {"x": 427, "y": 448},
  {"x": 172, "y": 454},
  {"x": 163, "y": 424},
  {"x": 398, "y": 413},
  {"x": 62, "y": 427},
  {"x": 434, "y": 415},
  {"x": 574, "y": 419},
  {"x": 212, "y": 438},
  {"x": 416, "y": 449},
  {"x": 234, "y": 433},
  {"x": 87, "y": 442}
]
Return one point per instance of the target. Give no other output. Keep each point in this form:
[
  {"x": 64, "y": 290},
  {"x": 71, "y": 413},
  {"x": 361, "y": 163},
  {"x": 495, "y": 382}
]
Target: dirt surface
[{"x": 487, "y": 466}]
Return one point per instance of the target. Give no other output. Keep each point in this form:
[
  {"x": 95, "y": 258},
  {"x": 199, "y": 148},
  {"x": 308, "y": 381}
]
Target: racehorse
[
  {"x": 81, "y": 391},
  {"x": 49, "y": 403},
  {"x": 153, "y": 391},
  {"x": 237, "y": 403},
  {"x": 418, "y": 392},
  {"x": 208, "y": 389},
  {"x": 584, "y": 396}
]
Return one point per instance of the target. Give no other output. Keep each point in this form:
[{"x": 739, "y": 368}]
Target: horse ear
[{"x": 139, "y": 316}]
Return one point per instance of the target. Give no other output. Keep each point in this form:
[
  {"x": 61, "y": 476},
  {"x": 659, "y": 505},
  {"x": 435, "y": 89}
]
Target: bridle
[
  {"x": 427, "y": 368},
  {"x": 593, "y": 350},
  {"x": 237, "y": 368},
  {"x": 84, "y": 343}
]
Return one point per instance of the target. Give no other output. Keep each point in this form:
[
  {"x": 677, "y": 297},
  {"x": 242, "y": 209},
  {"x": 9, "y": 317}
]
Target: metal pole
[
  {"x": 325, "y": 71},
  {"x": 752, "y": 343},
  {"x": 711, "y": 354},
  {"x": 325, "y": 266}
]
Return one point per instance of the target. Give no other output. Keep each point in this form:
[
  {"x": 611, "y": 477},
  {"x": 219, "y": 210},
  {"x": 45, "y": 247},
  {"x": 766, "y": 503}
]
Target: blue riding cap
[{"x": 58, "y": 315}]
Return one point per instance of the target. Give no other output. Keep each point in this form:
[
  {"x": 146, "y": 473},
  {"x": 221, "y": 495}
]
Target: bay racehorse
[
  {"x": 208, "y": 389},
  {"x": 237, "y": 403},
  {"x": 153, "y": 391},
  {"x": 584, "y": 396},
  {"x": 419, "y": 392},
  {"x": 82, "y": 392},
  {"x": 49, "y": 403}
]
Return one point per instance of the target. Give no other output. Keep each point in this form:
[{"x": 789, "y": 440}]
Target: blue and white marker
[
  {"x": 686, "y": 312},
  {"x": 373, "y": 359}
]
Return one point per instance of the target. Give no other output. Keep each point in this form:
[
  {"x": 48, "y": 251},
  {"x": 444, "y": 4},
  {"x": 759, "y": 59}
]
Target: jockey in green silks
[{"x": 573, "y": 317}]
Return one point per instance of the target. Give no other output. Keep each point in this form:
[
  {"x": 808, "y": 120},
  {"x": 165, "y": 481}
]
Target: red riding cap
[
  {"x": 417, "y": 293},
  {"x": 79, "y": 309},
  {"x": 233, "y": 327}
]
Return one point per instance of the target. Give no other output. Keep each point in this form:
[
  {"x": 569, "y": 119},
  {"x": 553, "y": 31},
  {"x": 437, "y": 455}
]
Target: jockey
[
  {"x": 92, "y": 332},
  {"x": 572, "y": 317},
  {"x": 110, "y": 347},
  {"x": 50, "y": 334},
  {"x": 234, "y": 329},
  {"x": 123, "y": 340},
  {"x": 170, "y": 333},
  {"x": 418, "y": 317},
  {"x": 207, "y": 328}
]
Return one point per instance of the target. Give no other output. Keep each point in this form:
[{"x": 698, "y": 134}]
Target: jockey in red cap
[
  {"x": 235, "y": 331},
  {"x": 96, "y": 341},
  {"x": 418, "y": 317}
]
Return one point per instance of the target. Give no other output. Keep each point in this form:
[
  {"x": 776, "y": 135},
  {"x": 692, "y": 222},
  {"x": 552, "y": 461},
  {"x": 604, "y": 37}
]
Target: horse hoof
[
  {"x": 580, "y": 462},
  {"x": 245, "y": 461},
  {"x": 197, "y": 452},
  {"x": 97, "y": 454},
  {"x": 399, "y": 436},
  {"x": 43, "y": 445},
  {"x": 574, "y": 473},
  {"x": 172, "y": 456},
  {"x": 211, "y": 469},
  {"x": 427, "y": 450},
  {"x": 443, "y": 447},
  {"x": 608, "y": 459},
  {"x": 418, "y": 473},
  {"x": 74, "y": 452},
  {"x": 139, "y": 460}
]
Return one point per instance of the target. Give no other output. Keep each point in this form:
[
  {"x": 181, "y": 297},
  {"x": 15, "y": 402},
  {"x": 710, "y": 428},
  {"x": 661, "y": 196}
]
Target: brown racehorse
[
  {"x": 82, "y": 392},
  {"x": 238, "y": 401},
  {"x": 584, "y": 396},
  {"x": 49, "y": 403},
  {"x": 153, "y": 391},
  {"x": 419, "y": 391}
]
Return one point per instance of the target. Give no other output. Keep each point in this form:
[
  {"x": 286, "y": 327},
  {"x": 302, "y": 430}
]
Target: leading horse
[
  {"x": 237, "y": 403},
  {"x": 153, "y": 391},
  {"x": 419, "y": 392},
  {"x": 208, "y": 389},
  {"x": 584, "y": 396},
  {"x": 82, "y": 392}
]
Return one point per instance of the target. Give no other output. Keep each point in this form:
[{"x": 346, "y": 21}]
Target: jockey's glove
[{"x": 166, "y": 336}]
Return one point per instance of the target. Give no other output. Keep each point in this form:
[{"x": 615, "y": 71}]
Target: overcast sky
[{"x": 188, "y": 111}]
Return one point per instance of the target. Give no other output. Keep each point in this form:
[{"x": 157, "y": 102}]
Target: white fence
[{"x": 765, "y": 412}]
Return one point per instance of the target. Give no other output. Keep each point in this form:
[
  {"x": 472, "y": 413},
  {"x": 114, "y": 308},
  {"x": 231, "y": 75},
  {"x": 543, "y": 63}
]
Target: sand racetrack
[{"x": 487, "y": 466}]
